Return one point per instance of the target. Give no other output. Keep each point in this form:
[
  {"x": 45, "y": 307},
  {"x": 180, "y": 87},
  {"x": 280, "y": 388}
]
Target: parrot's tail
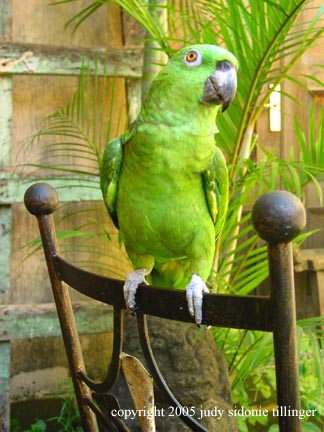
[{"x": 171, "y": 275}]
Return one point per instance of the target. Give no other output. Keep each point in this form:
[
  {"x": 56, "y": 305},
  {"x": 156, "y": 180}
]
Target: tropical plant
[
  {"x": 72, "y": 141},
  {"x": 268, "y": 40},
  {"x": 252, "y": 371},
  {"x": 67, "y": 420}
]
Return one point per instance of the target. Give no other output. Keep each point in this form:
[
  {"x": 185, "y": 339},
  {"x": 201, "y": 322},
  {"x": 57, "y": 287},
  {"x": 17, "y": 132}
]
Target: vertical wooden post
[
  {"x": 5, "y": 217},
  {"x": 154, "y": 58},
  {"x": 5, "y": 248},
  {"x": 278, "y": 217},
  {"x": 4, "y": 386}
]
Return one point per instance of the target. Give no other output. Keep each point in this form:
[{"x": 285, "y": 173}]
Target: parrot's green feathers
[
  {"x": 216, "y": 188},
  {"x": 109, "y": 174}
]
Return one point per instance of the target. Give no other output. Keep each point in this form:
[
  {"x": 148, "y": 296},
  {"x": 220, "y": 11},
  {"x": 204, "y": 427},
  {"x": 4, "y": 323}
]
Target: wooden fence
[{"x": 38, "y": 58}]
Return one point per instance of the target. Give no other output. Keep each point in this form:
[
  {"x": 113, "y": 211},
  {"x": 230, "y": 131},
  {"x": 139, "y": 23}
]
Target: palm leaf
[
  {"x": 76, "y": 134},
  {"x": 72, "y": 140}
]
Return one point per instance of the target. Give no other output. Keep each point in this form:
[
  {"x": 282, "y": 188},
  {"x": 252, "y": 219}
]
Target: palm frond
[
  {"x": 146, "y": 13},
  {"x": 311, "y": 142},
  {"x": 73, "y": 137}
]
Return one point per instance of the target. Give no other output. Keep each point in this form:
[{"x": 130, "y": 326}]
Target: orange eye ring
[{"x": 192, "y": 58}]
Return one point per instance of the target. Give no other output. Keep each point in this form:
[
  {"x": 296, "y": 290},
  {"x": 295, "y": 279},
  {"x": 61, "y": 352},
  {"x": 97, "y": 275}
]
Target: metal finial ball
[
  {"x": 278, "y": 217},
  {"x": 41, "y": 199}
]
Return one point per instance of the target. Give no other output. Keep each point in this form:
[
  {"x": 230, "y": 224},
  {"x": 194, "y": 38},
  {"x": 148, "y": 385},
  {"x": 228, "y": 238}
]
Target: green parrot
[{"x": 165, "y": 182}]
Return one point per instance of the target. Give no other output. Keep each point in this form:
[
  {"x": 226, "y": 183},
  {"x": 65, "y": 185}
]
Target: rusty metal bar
[
  {"x": 114, "y": 365},
  {"x": 143, "y": 333},
  {"x": 247, "y": 312},
  {"x": 284, "y": 336},
  {"x": 41, "y": 201},
  {"x": 279, "y": 217}
]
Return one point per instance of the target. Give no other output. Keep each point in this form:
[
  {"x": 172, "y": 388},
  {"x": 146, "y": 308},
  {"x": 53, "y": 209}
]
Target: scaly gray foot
[
  {"x": 195, "y": 290},
  {"x": 133, "y": 280}
]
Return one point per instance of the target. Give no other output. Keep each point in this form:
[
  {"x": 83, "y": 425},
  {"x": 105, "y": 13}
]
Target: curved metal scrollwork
[
  {"x": 114, "y": 365},
  {"x": 158, "y": 378},
  {"x": 106, "y": 402}
]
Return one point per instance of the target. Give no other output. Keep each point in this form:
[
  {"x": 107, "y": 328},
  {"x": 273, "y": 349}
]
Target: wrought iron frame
[{"x": 277, "y": 217}]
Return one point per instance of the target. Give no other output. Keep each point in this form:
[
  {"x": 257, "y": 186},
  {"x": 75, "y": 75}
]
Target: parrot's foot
[
  {"x": 133, "y": 280},
  {"x": 194, "y": 292}
]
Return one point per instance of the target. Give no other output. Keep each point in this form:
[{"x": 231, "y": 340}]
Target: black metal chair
[{"x": 277, "y": 216}]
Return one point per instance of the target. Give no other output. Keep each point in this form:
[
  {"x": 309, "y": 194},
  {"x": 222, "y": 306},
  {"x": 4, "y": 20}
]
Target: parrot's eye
[{"x": 192, "y": 58}]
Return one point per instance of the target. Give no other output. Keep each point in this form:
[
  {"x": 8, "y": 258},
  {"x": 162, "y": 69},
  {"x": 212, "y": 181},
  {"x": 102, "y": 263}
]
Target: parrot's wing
[
  {"x": 216, "y": 187},
  {"x": 109, "y": 174}
]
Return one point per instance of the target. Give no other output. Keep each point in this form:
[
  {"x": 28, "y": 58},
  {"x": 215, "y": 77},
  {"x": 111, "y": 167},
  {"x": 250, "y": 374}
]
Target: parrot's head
[
  {"x": 220, "y": 86},
  {"x": 196, "y": 75}
]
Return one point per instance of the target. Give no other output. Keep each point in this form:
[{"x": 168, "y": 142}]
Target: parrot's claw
[
  {"x": 133, "y": 280},
  {"x": 194, "y": 293}
]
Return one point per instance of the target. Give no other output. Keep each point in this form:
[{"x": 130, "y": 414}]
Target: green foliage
[
  {"x": 38, "y": 426},
  {"x": 68, "y": 420},
  {"x": 72, "y": 140},
  {"x": 252, "y": 371},
  {"x": 78, "y": 132},
  {"x": 144, "y": 13},
  {"x": 311, "y": 147}
]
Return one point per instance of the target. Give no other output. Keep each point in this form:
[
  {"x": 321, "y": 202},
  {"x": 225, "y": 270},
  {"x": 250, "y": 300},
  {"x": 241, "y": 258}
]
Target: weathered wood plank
[
  {"x": 5, "y": 241},
  {"x": 13, "y": 187},
  {"x": 41, "y": 321},
  {"x": 5, "y": 120},
  {"x": 312, "y": 75},
  {"x": 134, "y": 90},
  {"x": 56, "y": 60},
  {"x": 5, "y": 218},
  {"x": 133, "y": 35},
  {"x": 5, "y": 20},
  {"x": 5, "y": 213},
  {"x": 312, "y": 260},
  {"x": 4, "y": 386},
  {"x": 309, "y": 259},
  {"x": 320, "y": 291}
]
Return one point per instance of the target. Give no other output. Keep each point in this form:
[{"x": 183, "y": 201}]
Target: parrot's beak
[{"x": 220, "y": 87}]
